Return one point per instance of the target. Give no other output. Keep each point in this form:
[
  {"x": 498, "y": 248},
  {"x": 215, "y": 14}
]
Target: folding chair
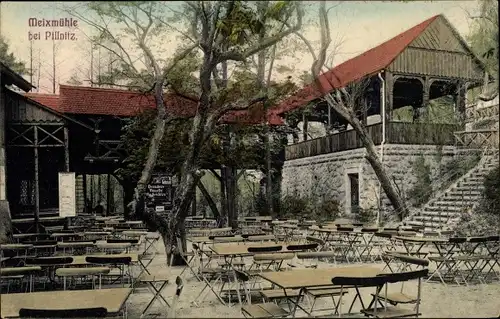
[
  {"x": 396, "y": 298},
  {"x": 446, "y": 262},
  {"x": 357, "y": 282},
  {"x": 63, "y": 313},
  {"x": 152, "y": 282}
]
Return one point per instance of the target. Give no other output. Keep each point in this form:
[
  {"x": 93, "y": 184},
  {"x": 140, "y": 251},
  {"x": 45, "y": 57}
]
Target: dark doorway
[{"x": 354, "y": 187}]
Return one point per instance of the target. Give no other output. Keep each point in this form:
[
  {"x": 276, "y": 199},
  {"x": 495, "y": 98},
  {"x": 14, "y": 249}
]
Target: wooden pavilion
[{"x": 426, "y": 62}]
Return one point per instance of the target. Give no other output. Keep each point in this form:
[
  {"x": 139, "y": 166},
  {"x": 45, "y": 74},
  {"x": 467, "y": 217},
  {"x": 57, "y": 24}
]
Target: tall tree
[
  {"x": 343, "y": 101},
  {"x": 9, "y": 59},
  {"x": 484, "y": 41},
  {"x": 223, "y": 31}
]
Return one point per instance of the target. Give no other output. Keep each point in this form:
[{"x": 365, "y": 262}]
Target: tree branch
[{"x": 242, "y": 56}]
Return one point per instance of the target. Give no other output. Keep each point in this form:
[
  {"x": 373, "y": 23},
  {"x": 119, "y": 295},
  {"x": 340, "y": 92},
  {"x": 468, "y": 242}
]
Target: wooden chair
[
  {"x": 260, "y": 310},
  {"x": 63, "y": 313},
  {"x": 357, "y": 282},
  {"x": 396, "y": 298}
]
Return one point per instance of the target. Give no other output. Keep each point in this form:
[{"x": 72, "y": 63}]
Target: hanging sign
[
  {"x": 67, "y": 194},
  {"x": 159, "y": 194}
]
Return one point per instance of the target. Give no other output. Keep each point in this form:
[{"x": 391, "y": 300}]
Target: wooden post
[
  {"x": 66, "y": 149},
  {"x": 460, "y": 102},
  {"x": 92, "y": 192},
  {"x": 85, "y": 203},
  {"x": 37, "y": 186},
  {"x": 425, "y": 92},
  {"x": 389, "y": 94},
  {"x": 108, "y": 193}
]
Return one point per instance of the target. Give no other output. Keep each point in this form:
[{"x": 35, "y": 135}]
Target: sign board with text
[
  {"x": 159, "y": 193},
  {"x": 67, "y": 194}
]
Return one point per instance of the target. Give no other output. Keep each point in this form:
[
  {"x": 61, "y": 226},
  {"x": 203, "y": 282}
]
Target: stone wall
[{"x": 326, "y": 176}]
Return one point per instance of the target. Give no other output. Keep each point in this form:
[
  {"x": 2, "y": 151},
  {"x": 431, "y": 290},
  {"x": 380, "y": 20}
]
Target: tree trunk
[
  {"x": 210, "y": 200},
  {"x": 5, "y": 223},
  {"x": 372, "y": 157},
  {"x": 223, "y": 198},
  {"x": 231, "y": 194},
  {"x": 190, "y": 176}
]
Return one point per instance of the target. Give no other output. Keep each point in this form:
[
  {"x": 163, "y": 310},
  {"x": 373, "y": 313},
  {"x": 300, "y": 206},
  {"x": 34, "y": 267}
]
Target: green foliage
[
  {"x": 483, "y": 37},
  {"x": 491, "y": 195},
  {"x": 485, "y": 220},
  {"x": 294, "y": 206},
  {"x": 365, "y": 216},
  {"x": 420, "y": 193},
  {"x": 9, "y": 59},
  {"x": 457, "y": 167}
]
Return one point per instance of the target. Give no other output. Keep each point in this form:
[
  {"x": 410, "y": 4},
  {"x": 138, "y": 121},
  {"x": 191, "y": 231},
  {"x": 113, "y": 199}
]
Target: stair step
[
  {"x": 451, "y": 209},
  {"x": 425, "y": 218},
  {"x": 462, "y": 195},
  {"x": 440, "y": 214},
  {"x": 446, "y": 201},
  {"x": 425, "y": 224}
]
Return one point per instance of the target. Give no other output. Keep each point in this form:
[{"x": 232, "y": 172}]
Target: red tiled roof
[
  {"x": 49, "y": 100},
  {"x": 367, "y": 63},
  {"x": 101, "y": 101}
]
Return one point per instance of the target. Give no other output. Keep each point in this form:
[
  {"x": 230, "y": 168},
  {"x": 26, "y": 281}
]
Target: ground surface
[{"x": 438, "y": 301}]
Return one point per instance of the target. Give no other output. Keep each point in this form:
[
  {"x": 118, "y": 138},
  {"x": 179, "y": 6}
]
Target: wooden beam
[
  {"x": 37, "y": 186},
  {"x": 215, "y": 173},
  {"x": 389, "y": 94},
  {"x": 66, "y": 149}
]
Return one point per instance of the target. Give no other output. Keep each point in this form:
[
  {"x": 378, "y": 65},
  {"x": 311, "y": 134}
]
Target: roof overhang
[{"x": 9, "y": 77}]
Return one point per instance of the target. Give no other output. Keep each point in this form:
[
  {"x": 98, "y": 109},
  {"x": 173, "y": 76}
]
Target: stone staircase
[{"x": 445, "y": 209}]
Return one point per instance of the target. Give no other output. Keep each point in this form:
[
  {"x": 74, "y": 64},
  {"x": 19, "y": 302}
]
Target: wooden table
[
  {"x": 112, "y": 299},
  {"x": 314, "y": 278},
  {"x": 320, "y": 277},
  {"x": 241, "y": 249}
]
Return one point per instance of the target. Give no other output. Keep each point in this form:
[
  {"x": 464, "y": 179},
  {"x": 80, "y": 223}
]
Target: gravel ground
[{"x": 438, "y": 301}]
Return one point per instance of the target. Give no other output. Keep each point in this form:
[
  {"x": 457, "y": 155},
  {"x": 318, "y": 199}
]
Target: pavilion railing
[{"x": 397, "y": 133}]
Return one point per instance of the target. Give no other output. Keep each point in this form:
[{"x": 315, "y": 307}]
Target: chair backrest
[
  {"x": 406, "y": 276},
  {"x": 213, "y": 237},
  {"x": 265, "y": 249},
  {"x": 493, "y": 238},
  {"x": 319, "y": 241},
  {"x": 302, "y": 247},
  {"x": 107, "y": 260},
  {"x": 345, "y": 229},
  {"x": 49, "y": 261},
  {"x": 481, "y": 239},
  {"x": 411, "y": 260},
  {"x": 359, "y": 281},
  {"x": 457, "y": 240},
  {"x": 63, "y": 313},
  {"x": 241, "y": 276}
]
